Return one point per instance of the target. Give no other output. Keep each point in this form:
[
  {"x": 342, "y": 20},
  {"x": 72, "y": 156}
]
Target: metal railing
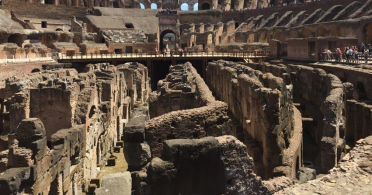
[{"x": 245, "y": 54}]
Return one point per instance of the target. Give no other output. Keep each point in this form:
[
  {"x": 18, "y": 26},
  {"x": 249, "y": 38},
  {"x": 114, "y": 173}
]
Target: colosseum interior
[{"x": 185, "y": 97}]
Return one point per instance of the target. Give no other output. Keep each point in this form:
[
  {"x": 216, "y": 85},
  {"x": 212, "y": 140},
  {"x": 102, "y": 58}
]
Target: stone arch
[
  {"x": 63, "y": 38},
  {"x": 15, "y": 38},
  {"x": 184, "y": 7},
  {"x": 47, "y": 40},
  {"x": 162, "y": 34},
  {"x": 154, "y": 6},
  {"x": 35, "y": 70},
  {"x": 360, "y": 91},
  {"x": 250, "y": 38},
  {"x": 262, "y": 38},
  {"x": 196, "y": 6}
]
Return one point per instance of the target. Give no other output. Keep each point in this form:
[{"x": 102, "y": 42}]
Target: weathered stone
[
  {"x": 117, "y": 183},
  {"x": 136, "y": 154}
]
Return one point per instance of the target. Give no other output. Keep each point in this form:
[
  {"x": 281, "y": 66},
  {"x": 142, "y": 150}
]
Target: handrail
[{"x": 243, "y": 54}]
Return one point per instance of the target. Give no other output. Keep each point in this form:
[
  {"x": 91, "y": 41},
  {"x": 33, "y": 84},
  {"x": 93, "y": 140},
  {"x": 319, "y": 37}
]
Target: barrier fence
[{"x": 248, "y": 54}]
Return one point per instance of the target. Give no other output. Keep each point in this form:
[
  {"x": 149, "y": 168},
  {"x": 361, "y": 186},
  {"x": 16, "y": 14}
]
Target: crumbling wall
[
  {"x": 322, "y": 96},
  {"x": 203, "y": 166},
  {"x": 262, "y": 104},
  {"x": 182, "y": 89},
  {"x": 63, "y": 157},
  {"x": 212, "y": 119}
]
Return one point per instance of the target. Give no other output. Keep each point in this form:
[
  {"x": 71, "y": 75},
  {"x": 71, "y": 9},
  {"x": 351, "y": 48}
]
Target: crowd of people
[
  {"x": 170, "y": 52},
  {"x": 167, "y": 11},
  {"x": 350, "y": 54}
]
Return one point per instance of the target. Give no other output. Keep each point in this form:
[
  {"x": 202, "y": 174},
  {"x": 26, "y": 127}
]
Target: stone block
[
  {"x": 117, "y": 183},
  {"x": 136, "y": 154},
  {"x": 305, "y": 174},
  {"x": 28, "y": 131}
]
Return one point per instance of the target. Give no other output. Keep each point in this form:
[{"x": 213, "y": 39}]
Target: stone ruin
[{"x": 245, "y": 128}]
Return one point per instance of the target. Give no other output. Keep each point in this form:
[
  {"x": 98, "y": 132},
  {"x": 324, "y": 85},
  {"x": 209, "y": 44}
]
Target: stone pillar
[{"x": 191, "y": 7}]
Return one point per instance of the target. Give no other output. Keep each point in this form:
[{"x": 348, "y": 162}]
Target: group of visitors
[
  {"x": 167, "y": 11},
  {"x": 170, "y": 52},
  {"x": 351, "y": 54}
]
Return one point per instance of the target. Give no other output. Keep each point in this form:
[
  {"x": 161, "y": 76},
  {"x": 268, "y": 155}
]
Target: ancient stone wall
[
  {"x": 62, "y": 157},
  {"x": 217, "y": 165},
  {"x": 322, "y": 96},
  {"x": 262, "y": 103},
  {"x": 211, "y": 119},
  {"x": 182, "y": 89}
]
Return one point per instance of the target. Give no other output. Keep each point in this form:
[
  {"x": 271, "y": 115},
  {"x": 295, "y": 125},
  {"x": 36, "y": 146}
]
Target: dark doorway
[
  {"x": 205, "y": 6},
  {"x": 118, "y": 51},
  {"x": 128, "y": 49},
  {"x": 15, "y": 38},
  {"x": 161, "y": 69}
]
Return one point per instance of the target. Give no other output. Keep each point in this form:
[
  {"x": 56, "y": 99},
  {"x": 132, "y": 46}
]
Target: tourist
[
  {"x": 156, "y": 52},
  {"x": 366, "y": 52},
  {"x": 369, "y": 49},
  {"x": 356, "y": 54},
  {"x": 171, "y": 53},
  {"x": 185, "y": 51},
  {"x": 362, "y": 47},
  {"x": 164, "y": 51},
  {"x": 180, "y": 52},
  {"x": 346, "y": 52}
]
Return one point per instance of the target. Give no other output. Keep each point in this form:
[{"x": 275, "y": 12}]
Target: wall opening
[
  {"x": 129, "y": 25},
  {"x": 44, "y": 24},
  {"x": 167, "y": 40},
  {"x": 205, "y": 6},
  {"x": 154, "y": 6}
]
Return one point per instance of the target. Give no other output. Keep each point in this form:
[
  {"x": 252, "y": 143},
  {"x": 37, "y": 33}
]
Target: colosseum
[{"x": 185, "y": 97}]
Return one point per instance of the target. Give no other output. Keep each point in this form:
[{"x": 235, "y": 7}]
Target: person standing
[
  {"x": 366, "y": 52},
  {"x": 164, "y": 51},
  {"x": 185, "y": 51},
  {"x": 362, "y": 47}
]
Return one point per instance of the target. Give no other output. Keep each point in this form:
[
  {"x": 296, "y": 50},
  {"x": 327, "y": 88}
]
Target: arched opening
[
  {"x": 167, "y": 40},
  {"x": 35, "y": 70},
  {"x": 47, "y": 40},
  {"x": 360, "y": 91},
  {"x": 196, "y": 6},
  {"x": 154, "y": 6},
  {"x": 142, "y": 6},
  {"x": 205, "y": 6},
  {"x": 184, "y": 7},
  {"x": 263, "y": 37},
  {"x": 58, "y": 29},
  {"x": 63, "y": 38},
  {"x": 15, "y": 38}
]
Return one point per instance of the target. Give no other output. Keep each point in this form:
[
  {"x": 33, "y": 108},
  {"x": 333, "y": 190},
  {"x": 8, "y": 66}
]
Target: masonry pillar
[{"x": 191, "y": 7}]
